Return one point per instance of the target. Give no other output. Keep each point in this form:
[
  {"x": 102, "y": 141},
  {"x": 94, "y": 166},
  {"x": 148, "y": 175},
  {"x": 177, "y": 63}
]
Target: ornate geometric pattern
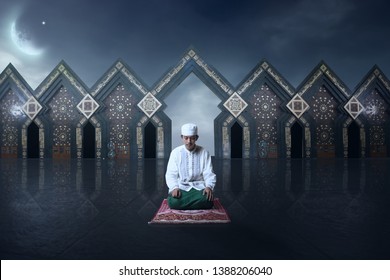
[
  {"x": 250, "y": 81},
  {"x": 325, "y": 135},
  {"x": 62, "y": 106},
  {"x": 280, "y": 81},
  {"x": 10, "y": 115},
  {"x": 120, "y": 114},
  {"x": 265, "y": 104},
  {"x": 354, "y": 107},
  {"x": 10, "y": 109},
  {"x": 119, "y": 104},
  {"x": 166, "y": 215},
  {"x": 120, "y": 110},
  {"x": 267, "y": 132},
  {"x": 235, "y": 104},
  {"x": 149, "y": 105},
  {"x": 323, "y": 109},
  {"x": 377, "y": 135},
  {"x": 87, "y": 106},
  {"x": 335, "y": 81},
  {"x": 265, "y": 108},
  {"x": 323, "y": 105},
  {"x": 297, "y": 106},
  {"x": 10, "y": 136},
  {"x": 375, "y": 107},
  {"x": 31, "y": 108},
  {"x": 120, "y": 133},
  {"x": 62, "y": 136},
  {"x": 211, "y": 73}
]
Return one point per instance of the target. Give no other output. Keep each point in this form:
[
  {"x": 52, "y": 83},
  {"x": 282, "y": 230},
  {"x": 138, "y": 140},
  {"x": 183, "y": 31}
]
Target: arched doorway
[
  {"x": 236, "y": 135},
  {"x": 33, "y": 141},
  {"x": 193, "y": 102},
  {"x": 296, "y": 140},
  {"x": 150, "y": 141},
  {"x": 89, "y": 141},
  {"x": 354, "y": 140}
]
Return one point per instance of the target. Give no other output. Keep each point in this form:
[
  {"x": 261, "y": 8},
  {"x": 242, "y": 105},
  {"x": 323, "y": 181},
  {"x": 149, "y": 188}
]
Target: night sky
[{"x": 232, "y": 36}]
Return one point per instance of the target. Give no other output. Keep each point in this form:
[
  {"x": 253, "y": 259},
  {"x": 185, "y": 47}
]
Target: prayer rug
[{"x": 215, "y": 215}]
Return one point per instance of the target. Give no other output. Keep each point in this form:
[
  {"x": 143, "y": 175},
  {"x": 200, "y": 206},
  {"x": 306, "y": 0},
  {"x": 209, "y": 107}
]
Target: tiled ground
[{"x": 280, "y": 209}]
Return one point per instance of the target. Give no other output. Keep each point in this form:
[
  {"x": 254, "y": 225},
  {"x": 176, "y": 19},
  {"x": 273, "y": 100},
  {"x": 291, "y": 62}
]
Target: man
[{"x": 190, "y": 177}]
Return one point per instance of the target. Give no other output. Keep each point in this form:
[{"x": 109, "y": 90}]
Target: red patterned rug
[{"x": 215, "y": 215}]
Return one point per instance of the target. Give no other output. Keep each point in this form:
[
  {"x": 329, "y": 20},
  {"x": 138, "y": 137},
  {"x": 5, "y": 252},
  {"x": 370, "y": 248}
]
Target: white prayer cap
[{"x": 189, "y": 129}]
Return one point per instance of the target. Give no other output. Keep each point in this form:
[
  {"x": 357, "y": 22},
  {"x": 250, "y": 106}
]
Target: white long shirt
[{"x": 190, "y": 169}]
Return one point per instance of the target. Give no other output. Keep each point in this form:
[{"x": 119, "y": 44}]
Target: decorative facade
[{"x": 263, "y": 117}]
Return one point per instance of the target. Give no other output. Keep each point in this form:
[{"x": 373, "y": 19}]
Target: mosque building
[{"x": 263, "y": 117}]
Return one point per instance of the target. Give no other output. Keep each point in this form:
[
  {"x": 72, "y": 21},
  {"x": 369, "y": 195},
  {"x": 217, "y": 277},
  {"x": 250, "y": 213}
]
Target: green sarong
[{"x": 191, "y": 200}]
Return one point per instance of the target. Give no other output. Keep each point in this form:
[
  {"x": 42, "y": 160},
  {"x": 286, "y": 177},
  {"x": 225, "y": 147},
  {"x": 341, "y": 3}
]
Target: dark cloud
[{"x": 232, "y": 36}]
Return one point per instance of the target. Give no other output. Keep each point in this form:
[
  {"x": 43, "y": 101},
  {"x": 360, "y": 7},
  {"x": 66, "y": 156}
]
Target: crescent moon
[{"x": 22, "y": 43}]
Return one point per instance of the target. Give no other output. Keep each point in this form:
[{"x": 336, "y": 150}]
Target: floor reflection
[{"x": 280, "y": 209}]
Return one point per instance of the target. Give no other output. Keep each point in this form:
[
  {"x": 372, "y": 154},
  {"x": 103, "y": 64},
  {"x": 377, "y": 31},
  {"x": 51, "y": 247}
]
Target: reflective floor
[{"x": 280, "y": 209}]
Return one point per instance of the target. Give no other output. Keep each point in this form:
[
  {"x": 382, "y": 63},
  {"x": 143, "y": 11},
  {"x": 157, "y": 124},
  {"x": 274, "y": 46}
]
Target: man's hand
[
  {"x": 209, "y": 193},
  {"x": 176, "y": 193}
]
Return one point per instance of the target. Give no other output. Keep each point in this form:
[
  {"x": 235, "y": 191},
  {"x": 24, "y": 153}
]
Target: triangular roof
[
  {"x": 119, "y": 70},
  {"x": 10, "y": 76},
  {"x": 374, "y": 77},
  {"x": 323, "y": 73},
  {"x": 191, "y": 62},
  {"x": 266, "y": 72},
  {"x": 61, "y": 73}
]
